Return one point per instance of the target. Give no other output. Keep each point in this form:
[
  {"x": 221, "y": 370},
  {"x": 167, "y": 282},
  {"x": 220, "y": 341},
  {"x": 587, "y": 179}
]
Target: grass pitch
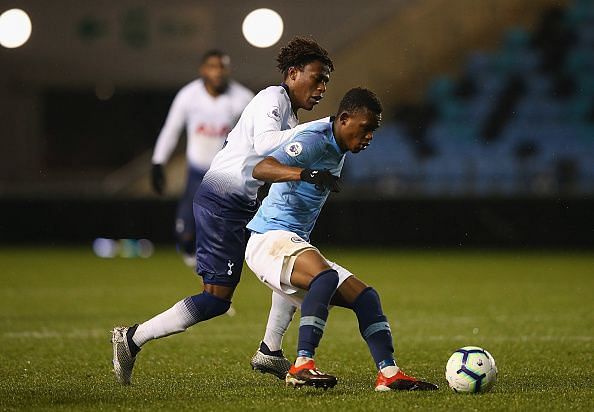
[{"x": 533, "y": 311}]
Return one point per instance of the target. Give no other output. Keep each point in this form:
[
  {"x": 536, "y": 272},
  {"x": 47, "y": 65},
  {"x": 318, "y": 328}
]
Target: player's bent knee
[
  {"x": 368, "y": 298},
  {"x": 330, "y": 278}
]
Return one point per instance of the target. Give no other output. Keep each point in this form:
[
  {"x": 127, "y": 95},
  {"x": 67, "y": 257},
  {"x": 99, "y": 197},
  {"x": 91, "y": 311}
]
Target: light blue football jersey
[{"x": 295, "y": 206}]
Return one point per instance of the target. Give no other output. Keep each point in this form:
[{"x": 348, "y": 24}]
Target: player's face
[
  {"x": 356, "y": 129},
  {"x": 308, "y": 85},
  {"x": 215, "y": 73}
]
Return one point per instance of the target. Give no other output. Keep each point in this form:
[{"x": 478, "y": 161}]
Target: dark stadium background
[
  {"x": 471, "y": 213},
  {"x": 488, "y": 138}
]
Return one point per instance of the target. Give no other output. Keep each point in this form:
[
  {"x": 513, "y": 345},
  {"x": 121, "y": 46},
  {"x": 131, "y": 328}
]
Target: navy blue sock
[
  {"x": 206, "y": 306},
  {"x": 134, "y": 349},
  {"x": 314, "y": 311},
  {"x": 266, "y": 350},
  {"x": 374, "y": 327}
]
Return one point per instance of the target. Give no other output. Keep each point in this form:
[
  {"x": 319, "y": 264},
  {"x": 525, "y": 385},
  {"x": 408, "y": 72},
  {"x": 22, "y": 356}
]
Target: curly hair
[
  {"x": 358, "y": 98},
  {"x": 301, "y": 51}
]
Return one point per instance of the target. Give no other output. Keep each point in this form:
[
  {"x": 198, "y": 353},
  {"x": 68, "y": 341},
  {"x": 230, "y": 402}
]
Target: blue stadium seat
[
  {"x": 577, "y": 109},
  {"x": 586, "y": 35},
  {"x": 517, "y": 62},
  {"x": 516, "y": 39},
  {"x": 538, "y": 85},
  {"x": 580, "y": 61},
  {"x": 479, "y": 63},
  {"x": 452, "y": 138},
  {"x": 581, "y": 13},
  {"x": 515, "y": 56},
  {"x": 585, "y": 85},
  {"x": 440, "y": 89},
  {"x": 488, "y": 85},
  {"x": 536, "y": 109}
]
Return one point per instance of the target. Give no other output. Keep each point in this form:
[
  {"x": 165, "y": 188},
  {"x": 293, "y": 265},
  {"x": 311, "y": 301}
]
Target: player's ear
[
  {"x": 343, "y": 117},
  {"x": 292, "y": 73}
]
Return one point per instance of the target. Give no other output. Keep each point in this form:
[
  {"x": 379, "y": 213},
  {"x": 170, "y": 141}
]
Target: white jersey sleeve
[{"x": 174, "y": 124}]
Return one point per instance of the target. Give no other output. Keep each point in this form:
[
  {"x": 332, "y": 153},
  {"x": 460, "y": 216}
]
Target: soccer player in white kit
[
  {"x": 208, "y": 107},
  {"x": 305, "y": 170},
  {"x": 226, "y": 201}
]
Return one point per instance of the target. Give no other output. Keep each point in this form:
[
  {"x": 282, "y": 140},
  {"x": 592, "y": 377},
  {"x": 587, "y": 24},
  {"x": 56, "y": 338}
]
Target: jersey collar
[{"x": 284, "y": 86}]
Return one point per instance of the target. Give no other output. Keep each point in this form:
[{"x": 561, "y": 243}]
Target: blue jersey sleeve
[{"x": 302, "y": 151}]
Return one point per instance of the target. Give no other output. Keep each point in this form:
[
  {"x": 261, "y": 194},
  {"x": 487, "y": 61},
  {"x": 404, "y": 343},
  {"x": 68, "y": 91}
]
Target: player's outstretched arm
[
  {"x": 271, "y": 170},
  {"x": 174, "y": 124}
]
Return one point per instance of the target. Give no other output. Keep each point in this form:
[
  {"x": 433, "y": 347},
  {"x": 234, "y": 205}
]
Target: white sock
[
  {"x": 281, "y": 313},
  {"x": 174, "y": 320},
  {"x": 390, "y": 371}
]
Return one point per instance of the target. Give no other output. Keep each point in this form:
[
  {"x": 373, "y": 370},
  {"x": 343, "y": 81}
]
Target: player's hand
[
  {"x": 323, "y": 179},
  {"x": 158, "y": 178}
]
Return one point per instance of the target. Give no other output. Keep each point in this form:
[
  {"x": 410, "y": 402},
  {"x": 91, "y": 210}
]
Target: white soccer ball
[{"x": 470, "y": 370}]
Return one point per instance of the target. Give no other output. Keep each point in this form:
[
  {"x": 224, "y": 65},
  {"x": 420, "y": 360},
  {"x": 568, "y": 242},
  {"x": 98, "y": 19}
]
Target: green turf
[{"x": 533, "y": 311}]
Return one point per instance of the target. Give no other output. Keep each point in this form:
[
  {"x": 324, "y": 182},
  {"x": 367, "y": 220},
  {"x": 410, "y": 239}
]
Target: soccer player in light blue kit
[{"x": 303, "y": 172}]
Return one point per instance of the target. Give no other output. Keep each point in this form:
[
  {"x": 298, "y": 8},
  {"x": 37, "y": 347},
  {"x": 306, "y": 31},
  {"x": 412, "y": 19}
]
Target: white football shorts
[{"x": 271, "y": 256}]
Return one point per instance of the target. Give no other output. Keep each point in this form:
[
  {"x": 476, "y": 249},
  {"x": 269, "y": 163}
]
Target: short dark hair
[
  {"x": 301, "y": 51},
  {"x": 358, "y": 98},
  {"x": 215, "y": 53}
]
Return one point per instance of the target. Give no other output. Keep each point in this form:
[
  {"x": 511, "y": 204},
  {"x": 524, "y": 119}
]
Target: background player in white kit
[
  {"x": 281, "y": 256},
  {"x": 208, "y": 108},
  {"x": 226, "y": 201}
]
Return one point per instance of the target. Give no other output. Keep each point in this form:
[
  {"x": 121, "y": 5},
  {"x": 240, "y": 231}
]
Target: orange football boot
[
  {"x": 308, "y": 375},
  {"x": 402, "y": 382}
]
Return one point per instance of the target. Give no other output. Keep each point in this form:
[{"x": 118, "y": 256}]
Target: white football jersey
[
  {"x": 207, "y": 119},
  {"x": 255, "y": 136}
]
